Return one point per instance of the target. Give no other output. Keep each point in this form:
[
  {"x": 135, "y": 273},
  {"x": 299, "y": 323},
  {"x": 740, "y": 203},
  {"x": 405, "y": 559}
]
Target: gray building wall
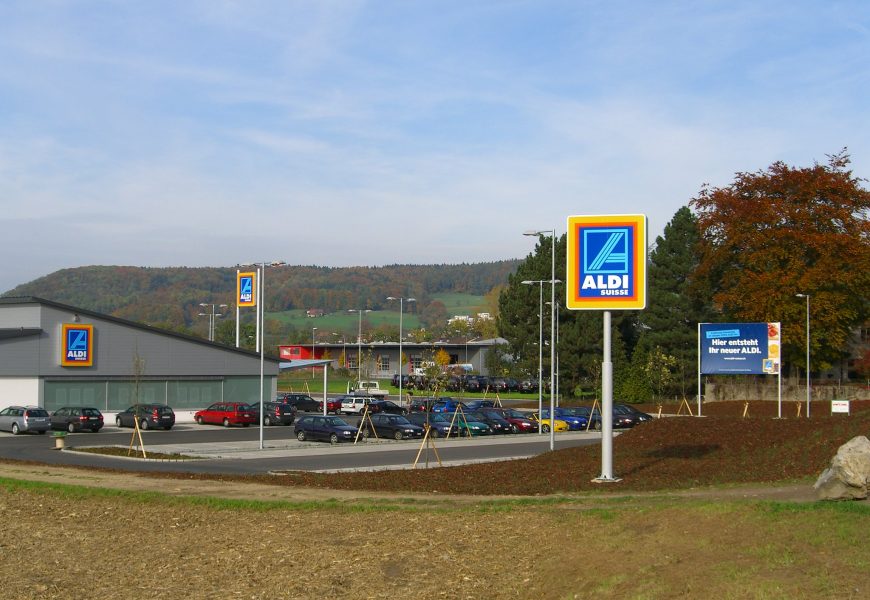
[{"x": 173, "y": 366}]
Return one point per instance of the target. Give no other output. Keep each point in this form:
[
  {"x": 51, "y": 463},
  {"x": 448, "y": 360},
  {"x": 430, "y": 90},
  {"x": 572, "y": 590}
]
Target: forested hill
[{"x": 172, "y": 295}]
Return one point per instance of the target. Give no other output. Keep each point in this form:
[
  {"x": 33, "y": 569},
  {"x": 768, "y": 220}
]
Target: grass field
[{"x": 347, "y": 322}]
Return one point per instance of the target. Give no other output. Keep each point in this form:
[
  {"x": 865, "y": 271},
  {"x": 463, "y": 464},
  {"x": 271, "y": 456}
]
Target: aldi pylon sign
[{"x": 606, "y": 267}]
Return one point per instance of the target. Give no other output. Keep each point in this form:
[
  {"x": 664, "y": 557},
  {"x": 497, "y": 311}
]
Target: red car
[
  {"x": 332, "y": 406},
  {"x": 226, "y": 414}
]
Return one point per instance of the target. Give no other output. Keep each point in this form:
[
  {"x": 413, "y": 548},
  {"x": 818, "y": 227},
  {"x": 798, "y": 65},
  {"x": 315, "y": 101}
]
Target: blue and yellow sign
[
  {"x": 246, "y": 289},
  {"x": 606, "y": 267},
  {"x": 77, "y": 345}
]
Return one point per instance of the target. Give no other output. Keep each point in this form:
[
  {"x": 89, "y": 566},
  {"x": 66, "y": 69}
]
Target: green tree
[
  {"x": 674, "y": 306},
  {"x": 775, "y": 233}
]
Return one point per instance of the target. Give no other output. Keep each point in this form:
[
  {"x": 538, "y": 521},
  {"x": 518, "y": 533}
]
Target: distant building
[{"x": 314, "y": 313}]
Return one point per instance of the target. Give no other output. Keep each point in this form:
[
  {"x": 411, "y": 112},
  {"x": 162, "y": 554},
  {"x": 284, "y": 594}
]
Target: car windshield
[
  {"x": 335, "y": 422},
  {"x": 574, "y": 412}
]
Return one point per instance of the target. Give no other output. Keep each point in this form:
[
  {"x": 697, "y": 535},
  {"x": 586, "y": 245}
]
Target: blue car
[
  {"x": 573, "y": 417},
  {"x": 448, "y": 405},
  {"x": 478, "y": 404}
]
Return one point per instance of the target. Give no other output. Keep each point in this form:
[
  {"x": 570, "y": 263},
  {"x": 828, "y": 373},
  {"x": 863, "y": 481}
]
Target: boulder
[{"x": 848, "y": 477}]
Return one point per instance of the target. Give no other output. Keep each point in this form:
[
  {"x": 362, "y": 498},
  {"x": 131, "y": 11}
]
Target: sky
[{"x": 346, "y": 133}]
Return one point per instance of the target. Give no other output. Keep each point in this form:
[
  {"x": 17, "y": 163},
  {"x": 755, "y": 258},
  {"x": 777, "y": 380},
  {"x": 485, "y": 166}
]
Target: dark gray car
[
  {"x": 77, "y": 418},
  {"x": 19, "y": 419}
]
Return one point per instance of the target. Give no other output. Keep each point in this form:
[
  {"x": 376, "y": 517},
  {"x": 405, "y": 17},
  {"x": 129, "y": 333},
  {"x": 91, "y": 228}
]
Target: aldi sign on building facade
[
  {"x": 77, "y": 345},
  {"x": 606, "y": 266}
]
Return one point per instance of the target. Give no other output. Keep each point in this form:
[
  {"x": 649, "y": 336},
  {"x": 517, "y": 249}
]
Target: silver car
[{"x": 18, "y": 419}]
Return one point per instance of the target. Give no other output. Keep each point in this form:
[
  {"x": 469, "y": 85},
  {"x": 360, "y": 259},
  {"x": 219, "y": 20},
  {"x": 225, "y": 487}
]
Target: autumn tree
[{"x": 783, "y": 231}]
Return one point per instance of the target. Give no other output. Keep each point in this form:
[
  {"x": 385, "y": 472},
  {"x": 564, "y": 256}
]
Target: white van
[{"x": 354, "y": 404}]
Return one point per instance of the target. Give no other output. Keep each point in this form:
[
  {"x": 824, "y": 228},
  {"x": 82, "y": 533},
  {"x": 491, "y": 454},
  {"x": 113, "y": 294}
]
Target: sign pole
[
  {"x": 699, "y": 369},
  {"x": 606, "y": 407}
]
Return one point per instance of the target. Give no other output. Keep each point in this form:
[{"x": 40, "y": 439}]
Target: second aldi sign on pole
[
  {"x": 606, "y": 267},
  {"x": 606, "y": 270}
]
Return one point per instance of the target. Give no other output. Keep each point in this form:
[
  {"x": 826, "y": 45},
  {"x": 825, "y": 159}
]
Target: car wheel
[
  {"x": 42, "y": 432},
  {"x": 71, "y": 428},
  {"x": 515, "y": 429},
  {"x": 15, "y": 429},
  {"x": 596, "y": 426},
  {"x": 398, "y": 435},
  {"x": 333, "y": 438},
  {"x": 199, "y": 420},
  {"x": 300, "y": 436},
  {"x": 95, "y": 430},
  {"x": 144, "y": 424},
  {"x": 545, "y": 428},
  {"x": 267, "y": 421},
  {"x": 226, "y": 422},
  {"x": 433, "y": 432}
]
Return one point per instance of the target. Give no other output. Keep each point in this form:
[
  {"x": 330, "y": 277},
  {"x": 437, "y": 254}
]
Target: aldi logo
[
  {"x": 77, "y": 345},
  {"x": 606, "y": 262},
  {"x": 245, "y": 289}
]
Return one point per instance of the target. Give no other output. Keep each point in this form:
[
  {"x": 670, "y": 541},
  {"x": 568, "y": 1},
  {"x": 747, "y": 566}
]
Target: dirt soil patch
[{"x": 719, "y": 507}]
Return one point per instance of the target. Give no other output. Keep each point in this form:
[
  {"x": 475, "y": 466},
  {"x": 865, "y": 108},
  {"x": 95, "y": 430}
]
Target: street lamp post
[
  {"x": 313, "y": 341},
  {"x": 359, "y": 342},
  {"x": 540, "y": 350},
  {"x": 807, "y": 296},
  {"x": 261, "y": 322},
  {"x": 211, "y": 317},
  {"x": 401, "y": 312},
  {"x": 552, "y": 233}
]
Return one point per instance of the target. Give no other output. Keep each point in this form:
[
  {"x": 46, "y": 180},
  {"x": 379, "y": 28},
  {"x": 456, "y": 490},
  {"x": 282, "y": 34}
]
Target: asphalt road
[{"x": 236, "y": 450}]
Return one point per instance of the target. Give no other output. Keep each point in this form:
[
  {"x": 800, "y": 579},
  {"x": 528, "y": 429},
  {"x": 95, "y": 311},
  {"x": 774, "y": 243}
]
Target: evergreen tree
[{"x": 674, "y": 307}]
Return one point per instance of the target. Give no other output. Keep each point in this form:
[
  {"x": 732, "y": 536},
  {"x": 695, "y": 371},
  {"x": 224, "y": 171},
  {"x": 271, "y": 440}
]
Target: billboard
[
  {"x": 739, "y": 348},
  {"x": 606, "y": 262},
  {"x": 77, "y": 345},
  {"x": 246, "y": 289}
]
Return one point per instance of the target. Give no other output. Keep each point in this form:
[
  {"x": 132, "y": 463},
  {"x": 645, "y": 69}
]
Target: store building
[{"x": 54, "y": 355}]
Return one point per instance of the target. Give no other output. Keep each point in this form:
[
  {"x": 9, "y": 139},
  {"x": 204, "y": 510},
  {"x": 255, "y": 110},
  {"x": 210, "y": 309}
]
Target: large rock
[{"x": 848, "y": 477}]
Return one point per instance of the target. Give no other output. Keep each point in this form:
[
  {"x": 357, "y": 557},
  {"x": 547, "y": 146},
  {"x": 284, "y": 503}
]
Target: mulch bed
[{"x": 668, "y": 453}]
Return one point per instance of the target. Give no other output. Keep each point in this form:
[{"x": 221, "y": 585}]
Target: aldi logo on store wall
[
  {"x": 77, "y": 345},
  {"x": 606, "y": 267}
]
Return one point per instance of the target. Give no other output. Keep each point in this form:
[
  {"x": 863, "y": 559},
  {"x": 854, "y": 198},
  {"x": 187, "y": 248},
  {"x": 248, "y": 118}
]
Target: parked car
[
  {"x": 467, "y": 425},
  {"x": 77, "y": 418},
  {"x": 354, "y": 404},
  {"x": 628, "y": 409},
  {"x": 395, "y": 381},
  {"x": 520, "y": 422},
  {"x": 439, "y": 424},
  {"x": 471, "y": 383},
  {"x": 528, "y": 386},
  {"x": 226, "y": 414},
  {"x": 274, "y": 413},
  {"x": 320, "y": 427},
  {"x": 448, "y": 405},
  {"x": 302, "y": 402},
  {"x": 498, "y": 384},
  {"x": 575, "y": 419},
  {"x": 386, "y": 406},
  {"x": 586, "y": 412},
  {"x": 620, "y": 420},
  {"x": 148, "y": 415},
  {"x": 421, "y": 404},
  {"x": 20, "y": 419},
  {"x": 544, "y": 424},
  {"x": 496, "y": 422},
  {"x": 333, "y": 405},
  {"x": 394, "y": 426},
  {"x": 478, "y": 404}
]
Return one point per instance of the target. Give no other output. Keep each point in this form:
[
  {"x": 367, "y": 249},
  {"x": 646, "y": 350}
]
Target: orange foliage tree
[{"x": 773, "y": 234}]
